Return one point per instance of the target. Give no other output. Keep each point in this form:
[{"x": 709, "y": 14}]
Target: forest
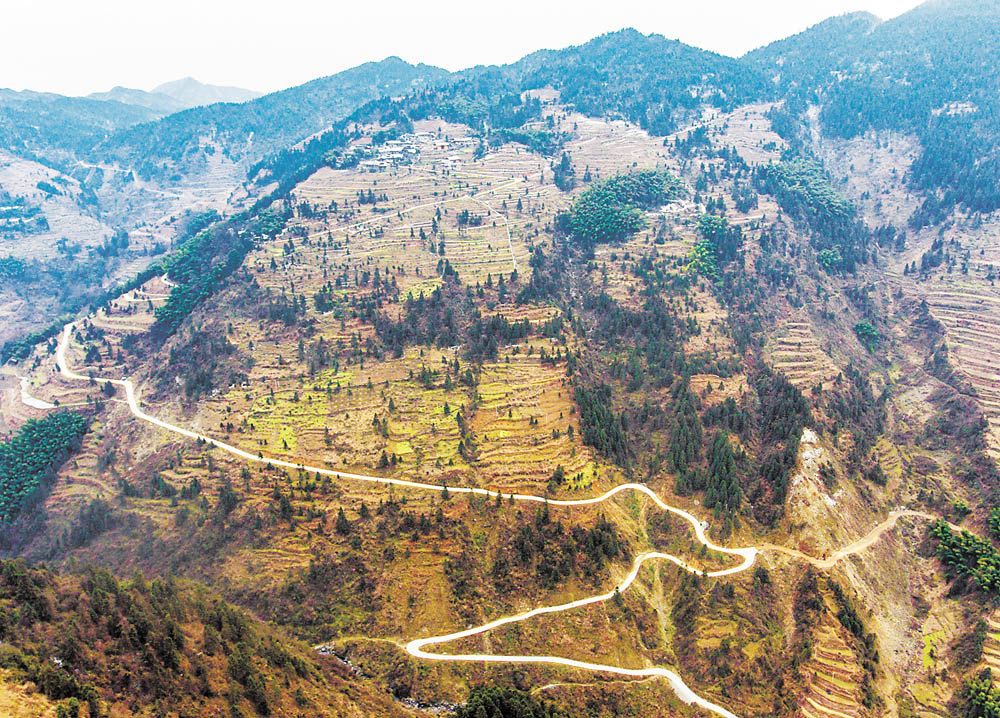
[
  {"x": 28, "y": 459},
  {"x": 89, "y": 639},
  {"x": 803, "y": 189},
  {"x": 967, "y": 555},
  {"x": 610, "y": 210}
]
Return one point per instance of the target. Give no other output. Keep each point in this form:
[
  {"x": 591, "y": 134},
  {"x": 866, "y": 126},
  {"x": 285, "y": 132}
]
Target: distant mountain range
[
  {"x": 192, "y": 93},
  {"x": 266, "y": 124},
  {"x": 861, "y": 72},
  {"x": 175, "y": 96}
]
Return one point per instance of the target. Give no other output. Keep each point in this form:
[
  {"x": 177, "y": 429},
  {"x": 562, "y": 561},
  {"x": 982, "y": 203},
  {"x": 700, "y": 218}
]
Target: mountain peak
[{"x": 191, "y": 93}]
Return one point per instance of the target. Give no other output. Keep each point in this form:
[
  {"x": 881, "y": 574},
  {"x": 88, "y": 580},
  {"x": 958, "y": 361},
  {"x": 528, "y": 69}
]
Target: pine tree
[{"x": 343, "y": 526}]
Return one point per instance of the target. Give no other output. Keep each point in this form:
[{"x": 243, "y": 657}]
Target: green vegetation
[
  {"x": 275, "y": 121},
  {"x": 206, "y": 259},
  {"x": 39, "y": 123},
  {"x": 111, "y": 644},
  {"x": 26, "y": 460},
  {"x": 704, "y": 259},
  {"x": 802, "y": 188},
  {"x": 544, "y": 142},
  {"x": 805, "y": 182},
  {"x": 966, "y": 554},
  {"x": 602, "y": 427},
  {"x": 503, "y": 702},
  {"x": 11, "y": 268},
  {"x": 648, "y": 79},
  {"x": 899, "y": 75},
  {"x": 867, "y": 334},
  {"x": 723, "y": 493},
  {"x": 994, "y": 522},
  {"x": 982, "y": 698},
  {"x": 719, "y": 244},
  {"x": 851, "y": 620},
  {"x": 783, "y": 415},
  {"x": 610, "y": 210}
]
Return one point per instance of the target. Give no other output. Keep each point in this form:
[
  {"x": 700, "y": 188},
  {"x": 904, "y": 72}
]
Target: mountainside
[
  {"x": 143, "y": 182},
  {"x": 929, "y": 72},
  {"x": 37, "y": 123},
  {"x": 657, "y": 83},
  {"x": 627, "y": 330},
  {"x": 625, "y": 379},
  {"x": 805, "y": 60},
  {"x": 647, "y": 79},
  {"x": 93, "y": 645}
]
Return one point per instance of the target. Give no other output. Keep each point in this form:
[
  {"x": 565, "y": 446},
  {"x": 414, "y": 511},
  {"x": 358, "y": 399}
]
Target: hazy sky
[{"x": 80, "y": 46}]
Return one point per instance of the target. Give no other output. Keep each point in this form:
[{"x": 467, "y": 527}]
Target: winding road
[{"x": 416, "y": 648}]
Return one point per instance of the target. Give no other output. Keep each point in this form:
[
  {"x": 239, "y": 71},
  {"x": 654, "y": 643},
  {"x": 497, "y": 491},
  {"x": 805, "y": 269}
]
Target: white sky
[{"x": 80, "y": 46}]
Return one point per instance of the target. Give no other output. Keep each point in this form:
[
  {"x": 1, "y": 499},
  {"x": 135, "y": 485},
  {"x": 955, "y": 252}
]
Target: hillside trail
[
  {"x": 863, "y": 543},
  {"x": 416, "y": 647}
]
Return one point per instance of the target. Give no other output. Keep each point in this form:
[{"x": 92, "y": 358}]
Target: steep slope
[
  {"x": 902, "y": 76},
  {"x": 93, "y": 643},
  {"x": 804, "y": 61}
]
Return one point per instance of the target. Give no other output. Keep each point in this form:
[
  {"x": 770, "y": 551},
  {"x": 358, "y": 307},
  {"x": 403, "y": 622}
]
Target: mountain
[
  {"x": 249, "y": 131},
  {"x": 53, "y": 125},
  {"x": 647, "y": 79},
  {"x": 156, "y": 101},
  {"x": 175, "y": 96},
  {"x": 624, "y": 359},
  {"x": 146, "y": 181},
  {"x": 191, "y": 93},
  {"x": 657, "y": 83},
  {"x": 930, "y": 72},
  {"x": 806, "y": 59}
]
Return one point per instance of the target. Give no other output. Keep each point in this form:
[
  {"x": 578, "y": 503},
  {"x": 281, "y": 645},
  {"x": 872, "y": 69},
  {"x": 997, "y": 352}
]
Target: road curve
[
  {"x": 417, "y": 647},
  {"x": 28, "y": 400}
]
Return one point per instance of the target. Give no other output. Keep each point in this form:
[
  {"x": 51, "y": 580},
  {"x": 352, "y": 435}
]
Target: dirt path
[{"x": 865, "y": 542}]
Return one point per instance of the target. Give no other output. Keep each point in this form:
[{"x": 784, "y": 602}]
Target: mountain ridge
[{"x": 192, "y": 93}]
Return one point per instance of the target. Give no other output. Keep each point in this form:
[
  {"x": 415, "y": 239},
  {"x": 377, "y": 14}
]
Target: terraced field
[
  {"x": 795, "y": 352},
  {"x": 833, "y": 677},
  {"x": 991, "y": 647},
  {"x": 971, "y": 314},
  {"x": 527, "y": 426},
  {"x": 940, "y": 629}
]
